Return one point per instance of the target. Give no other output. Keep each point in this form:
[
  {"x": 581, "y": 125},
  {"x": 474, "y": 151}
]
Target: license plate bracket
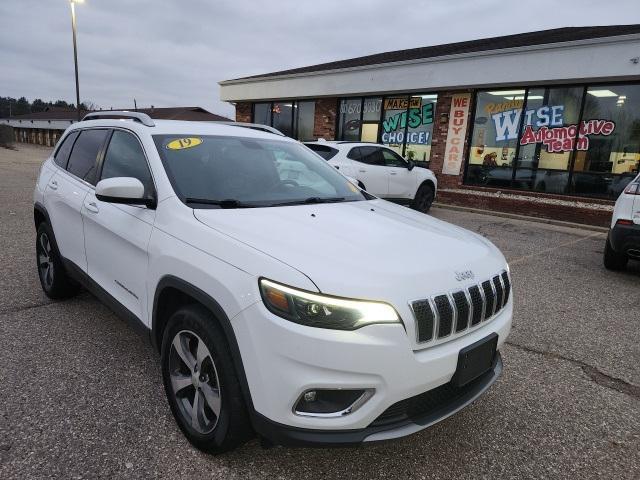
[{"x": 475, "y": 359}]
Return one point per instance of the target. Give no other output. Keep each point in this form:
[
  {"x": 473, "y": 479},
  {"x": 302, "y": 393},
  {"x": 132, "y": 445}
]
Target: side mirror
[
  {"x": 127, "y": 190},
  {"x": 410, "y": 165}
]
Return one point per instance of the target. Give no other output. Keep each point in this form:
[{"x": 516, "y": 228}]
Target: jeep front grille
[{"x": 454, "y": 313}]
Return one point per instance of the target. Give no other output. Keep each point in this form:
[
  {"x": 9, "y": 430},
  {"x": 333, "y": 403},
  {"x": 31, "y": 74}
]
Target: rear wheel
[
  {"x": 612, "y": 259},
  {"x": 201, "y": 383},
  {"x": 54, "y": 279},
  {"x": 424, "y": 198}
]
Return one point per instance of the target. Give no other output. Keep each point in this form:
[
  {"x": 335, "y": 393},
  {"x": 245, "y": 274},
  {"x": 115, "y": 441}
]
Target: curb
[{"x": 516, "y": 216}]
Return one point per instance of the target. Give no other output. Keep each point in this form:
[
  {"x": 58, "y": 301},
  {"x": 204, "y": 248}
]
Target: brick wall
[
  {"x": 528, "y": 206},
  {"x": 439, "y": 140},
  {"x": 243, "y": 112},
  {"x": 325, "y": 118}
]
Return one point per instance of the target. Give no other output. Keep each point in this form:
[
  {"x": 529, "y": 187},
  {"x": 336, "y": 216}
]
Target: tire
[
  {"x": 614, "y": 260},
  {"x": 54, "y": 280},
  {"x": 197, "y": 364},
  {"x": 424, "y": 198}
]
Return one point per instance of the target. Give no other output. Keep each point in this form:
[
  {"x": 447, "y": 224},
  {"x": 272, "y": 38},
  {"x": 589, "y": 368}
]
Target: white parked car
[
  {"x": 623, "y": 241},
  {"x": 303, "y": 310},
  {"x": 381, "y": 171}
]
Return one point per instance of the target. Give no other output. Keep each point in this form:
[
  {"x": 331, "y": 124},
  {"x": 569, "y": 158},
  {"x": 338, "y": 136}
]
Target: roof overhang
[{"x": 599, "y": 59}]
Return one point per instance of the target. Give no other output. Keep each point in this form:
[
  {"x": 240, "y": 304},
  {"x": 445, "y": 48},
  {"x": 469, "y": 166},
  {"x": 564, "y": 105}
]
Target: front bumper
[
  {"x": 282, "y": 360},
  {"x": 403, "y": 425}
]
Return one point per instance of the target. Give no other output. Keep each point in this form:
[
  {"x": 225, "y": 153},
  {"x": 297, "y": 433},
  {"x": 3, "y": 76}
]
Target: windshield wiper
[
  {"x": 311, "y": 200},
  {"x": 225, "y": 203}
]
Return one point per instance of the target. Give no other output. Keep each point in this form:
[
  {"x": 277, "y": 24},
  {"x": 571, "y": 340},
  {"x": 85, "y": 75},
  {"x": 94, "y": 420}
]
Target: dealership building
[{"x": 543, "y": 123}]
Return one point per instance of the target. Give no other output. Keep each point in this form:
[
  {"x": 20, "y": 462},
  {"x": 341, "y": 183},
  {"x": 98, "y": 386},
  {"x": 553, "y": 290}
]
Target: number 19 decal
[{"x": 182, "y": 143}]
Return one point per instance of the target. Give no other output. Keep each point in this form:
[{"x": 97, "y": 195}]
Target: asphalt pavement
[{"x": 81, "y": 394}]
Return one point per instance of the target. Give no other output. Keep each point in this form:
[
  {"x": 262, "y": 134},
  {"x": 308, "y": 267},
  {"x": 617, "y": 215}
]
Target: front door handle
[
  {"x": 393, "y": 173},
  {"x": 92, "y": 207},
  {"x": 53, "y": 185},
  {"x": 362, "y": 171}
]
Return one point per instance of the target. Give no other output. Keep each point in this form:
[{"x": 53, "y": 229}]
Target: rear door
[
  {"x": 402, "y": 182},
  {"x": 370, "y": 169},
  {"x": 117, "y": 235},
  {"x": 636, "y": 203},
  {"x": 68, "y": 188}
]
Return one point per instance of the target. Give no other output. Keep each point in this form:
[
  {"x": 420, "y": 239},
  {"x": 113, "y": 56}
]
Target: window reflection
[{"x": 546, "y": 140}]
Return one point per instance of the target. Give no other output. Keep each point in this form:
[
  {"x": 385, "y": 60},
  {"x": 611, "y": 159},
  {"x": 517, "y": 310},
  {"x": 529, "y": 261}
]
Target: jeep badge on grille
[{"x": 466, "y": 275}]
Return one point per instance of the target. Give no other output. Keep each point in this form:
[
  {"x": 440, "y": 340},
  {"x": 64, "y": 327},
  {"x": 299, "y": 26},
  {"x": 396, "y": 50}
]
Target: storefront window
[
  {"x": 371, "y": 110},
  {"x": 262, "y": 113},
  {"x": 541, "y": 168},
  {"x": 294, "y": 119},
  {"x": 530, "y": 139},
  {"x": 394, "y": 122},
  {"x": 349, "y": 120},
  {"x": 282, "y": 113},
  {"x": 420, "y": 127},
  {"x": 611, "y": 124},
  {"x": 493, "y": 144},
  {"x": 304, "y": 119},
  {"x": 403, "y": 123}
]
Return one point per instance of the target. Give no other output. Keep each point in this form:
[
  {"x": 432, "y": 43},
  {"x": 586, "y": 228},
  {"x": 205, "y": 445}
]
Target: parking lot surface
[{"x": 81, "y": 394}]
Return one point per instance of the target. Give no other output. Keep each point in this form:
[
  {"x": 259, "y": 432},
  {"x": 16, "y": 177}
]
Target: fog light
[{"x": 331, "y": 403}]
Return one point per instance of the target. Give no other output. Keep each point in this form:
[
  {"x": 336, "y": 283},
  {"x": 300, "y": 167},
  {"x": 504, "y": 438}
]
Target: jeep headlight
[{"x": 323, "y": 311}]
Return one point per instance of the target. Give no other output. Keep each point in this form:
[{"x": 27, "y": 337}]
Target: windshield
[{"x": 209, "y": 171}]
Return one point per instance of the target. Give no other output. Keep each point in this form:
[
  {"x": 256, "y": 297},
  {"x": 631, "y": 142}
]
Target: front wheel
[
  {"x": 201, "y": 383},
  {"x": 424, "y": 198},
  {"x": 612, "y": 259},
  {"x": 54, "y": 279}
]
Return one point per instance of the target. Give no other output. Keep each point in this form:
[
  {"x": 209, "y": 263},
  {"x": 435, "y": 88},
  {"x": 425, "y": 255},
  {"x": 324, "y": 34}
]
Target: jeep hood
[{"x": 362, "y": 249}]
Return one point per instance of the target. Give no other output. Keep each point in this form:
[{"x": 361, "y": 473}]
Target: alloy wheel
[
  {"x": 194, "y": 381},
  {"x": 45, "y": 260}
]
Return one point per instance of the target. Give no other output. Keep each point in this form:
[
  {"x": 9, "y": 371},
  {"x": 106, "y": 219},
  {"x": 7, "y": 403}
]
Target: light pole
[{"x": 75, "y": 51}]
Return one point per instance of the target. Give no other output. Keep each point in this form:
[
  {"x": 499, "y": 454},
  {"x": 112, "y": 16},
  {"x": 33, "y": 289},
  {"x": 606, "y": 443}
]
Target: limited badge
[{"x": 182, "y": 143}]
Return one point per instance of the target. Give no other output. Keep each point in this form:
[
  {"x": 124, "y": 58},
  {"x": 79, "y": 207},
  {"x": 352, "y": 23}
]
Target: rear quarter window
[
  {"x": 325, "y": 151},
  {"x": 82, "y": 162},
  {"x": 62, "y": 154}
]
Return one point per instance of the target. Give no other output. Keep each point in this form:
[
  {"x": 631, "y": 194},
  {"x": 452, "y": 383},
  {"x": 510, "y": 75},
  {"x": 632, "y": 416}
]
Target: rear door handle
[
  {"x": 393, "y": 173},
  {"x": 92, "y": 207},
  {"x": 53, "y": 185},
  {"x": 362, "y": 171}
]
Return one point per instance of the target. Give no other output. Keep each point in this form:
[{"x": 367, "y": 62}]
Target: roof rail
[
  {"x": 143, "y": 118},
  {"x": 255, "y": 126}
]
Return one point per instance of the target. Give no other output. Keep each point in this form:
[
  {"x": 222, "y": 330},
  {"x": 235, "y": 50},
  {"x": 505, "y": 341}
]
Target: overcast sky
[{"x": 173, "y": 52}]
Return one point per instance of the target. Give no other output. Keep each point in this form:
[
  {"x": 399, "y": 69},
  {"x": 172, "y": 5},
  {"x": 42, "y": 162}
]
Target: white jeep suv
[
  {"x": 623, "y": 241},
  {"x": 381, "y": 171},
  {"x": 283, "y": 300}
]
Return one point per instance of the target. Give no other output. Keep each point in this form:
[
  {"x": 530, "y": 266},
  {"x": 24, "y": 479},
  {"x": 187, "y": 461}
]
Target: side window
[
  {"x": 62, "y": 155},
  {"x": 82, "y": 162},
  {"x": 125, "y": 158},
  {"x": 371, "y": 156},
  {"x": 354, "y": 153},
  {"x": 392, "y": 159}
]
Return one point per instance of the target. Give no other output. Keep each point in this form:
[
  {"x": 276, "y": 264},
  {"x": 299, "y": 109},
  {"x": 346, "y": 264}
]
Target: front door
[
  {"x": 116, "y": 235},
  {"x": 401, "y": 180},
  {"x": 371, "y": 171}
]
